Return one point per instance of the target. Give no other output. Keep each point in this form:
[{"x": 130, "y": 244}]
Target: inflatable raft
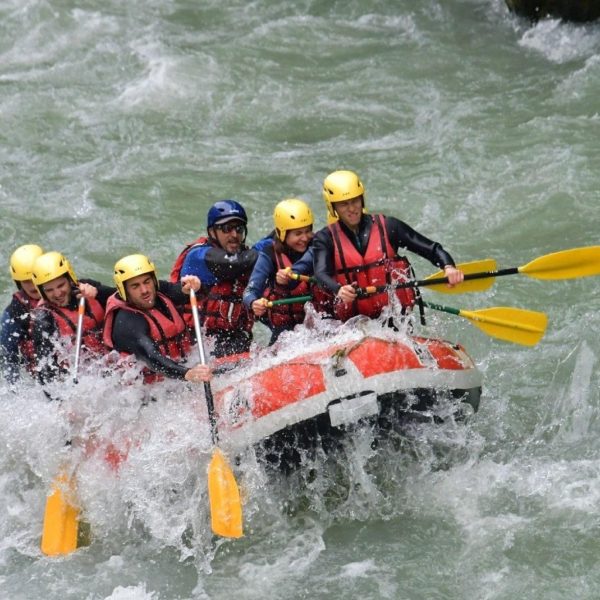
[
  {"x": 288, "y": 408},
  {"x": 289, "y": 403}
]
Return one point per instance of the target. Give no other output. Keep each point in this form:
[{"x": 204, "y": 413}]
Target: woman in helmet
[
  {"x": 143, "y": 318},
  {"x": 55, "y": 317},
  {"x": 223, "y": 263},
  {"x": 270, "y": 279},
  {"x": 16, "y": 344},
  {"x": 357, "y": 250}
]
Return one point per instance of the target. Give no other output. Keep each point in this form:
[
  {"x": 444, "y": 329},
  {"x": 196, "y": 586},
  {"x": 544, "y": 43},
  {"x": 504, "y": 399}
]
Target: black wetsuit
[
  {"x": 15, "y": 330},
  {"x": 131, "y": 334},
  {"x": 399, "y": 234}
]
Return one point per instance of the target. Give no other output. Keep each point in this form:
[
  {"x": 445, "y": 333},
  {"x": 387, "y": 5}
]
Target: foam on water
[{"x": 559, "y": 42}]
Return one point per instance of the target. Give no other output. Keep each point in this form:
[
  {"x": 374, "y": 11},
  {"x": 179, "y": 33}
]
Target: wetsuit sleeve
[
  {"x": 402, "y": 235},
  {"x": 229, "y": 267},
  {"x": 262, "y": 275},
  {"x": 13, "y": 331},
  {"x": 104, "y": 291},
  {"x": 304, "y": 265},
  {"x": 212, "y": 264},
  {"x": 44, "y": 335},
  {"x": 174, "y": 292},
  {"x": 323, "y": 261},
  {"x": 131, "y": 334}
]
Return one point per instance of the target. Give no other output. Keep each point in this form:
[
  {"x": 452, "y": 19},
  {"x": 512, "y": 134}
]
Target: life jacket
[
  {"x": 66, "y": 321},
  {"x": 220, "y": 307},
  {"x": 285, "y": 315},
  {"x": 26, "y": 348},
  {"x": 170, "y": 333},
  {"x": 379, "y": 266}
]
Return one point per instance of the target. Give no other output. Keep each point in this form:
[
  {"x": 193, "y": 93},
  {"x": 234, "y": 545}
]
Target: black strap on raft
[
  {"x": 418, "y": 298},
  {"x": 411, "y": 273}
]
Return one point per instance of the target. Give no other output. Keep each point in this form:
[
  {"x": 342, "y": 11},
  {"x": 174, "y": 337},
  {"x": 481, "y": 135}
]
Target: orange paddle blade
[
  {"x": 61, "y": 519},
  {"x": 224, "y": 497}
]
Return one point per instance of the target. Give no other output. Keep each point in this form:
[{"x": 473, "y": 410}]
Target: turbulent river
[{"x": 123, "y": 121}]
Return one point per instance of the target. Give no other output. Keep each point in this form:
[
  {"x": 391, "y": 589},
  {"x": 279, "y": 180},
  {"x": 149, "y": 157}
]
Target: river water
[{"x": 123, "y": 121}]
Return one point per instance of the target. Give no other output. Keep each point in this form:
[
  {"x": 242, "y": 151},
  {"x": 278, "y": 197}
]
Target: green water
[{"x": 123, "y": 122}]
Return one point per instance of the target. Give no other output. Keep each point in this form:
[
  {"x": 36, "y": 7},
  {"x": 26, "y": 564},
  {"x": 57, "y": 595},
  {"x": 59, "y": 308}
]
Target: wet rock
[{"x": 569, "y": 10}]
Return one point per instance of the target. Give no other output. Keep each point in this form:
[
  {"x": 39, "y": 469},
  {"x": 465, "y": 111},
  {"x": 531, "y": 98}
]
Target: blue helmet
[{"x": 225, "y": 210}]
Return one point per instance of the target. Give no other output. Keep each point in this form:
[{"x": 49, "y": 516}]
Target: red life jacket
[
  {"x": 379, "y": 266},
  {"x": 170, "y": 333},
  {"x": 286, "y": 315},
  {"x": 66, "y": 321},
  {"x": 221, "y": 307},
  {"x": 26, "y": 342},
  {"x": 323, "y": 299}
]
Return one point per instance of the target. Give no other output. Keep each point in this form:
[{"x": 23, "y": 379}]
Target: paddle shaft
[
  {"x": 299, "y": 277},
  {"x": 207, "y": 389},
  {"x": 291, "y": 300},
  {"x": 468, "y": 276},
  {"x": 436, "y": 281},
  {"x": 81, "y": 311}
]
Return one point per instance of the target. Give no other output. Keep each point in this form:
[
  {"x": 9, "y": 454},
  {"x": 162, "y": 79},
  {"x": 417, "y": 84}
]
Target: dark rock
[{"x": 569, "y": 10}]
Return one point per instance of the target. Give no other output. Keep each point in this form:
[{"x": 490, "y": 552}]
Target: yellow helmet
[
  {"x": 340, "y": 186},
  {"x": 291, "y": 214},
  {"x": 21, "y": 262},
  {"x": 129, "y": 267},
  {"x": 49, "y": 266}
]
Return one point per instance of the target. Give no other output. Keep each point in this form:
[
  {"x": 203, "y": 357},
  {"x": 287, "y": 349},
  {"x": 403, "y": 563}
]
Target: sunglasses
[{"x": 229, "y": 227}]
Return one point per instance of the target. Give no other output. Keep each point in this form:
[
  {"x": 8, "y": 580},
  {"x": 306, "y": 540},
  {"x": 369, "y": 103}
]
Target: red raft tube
[{"x": 290, "y": 407}]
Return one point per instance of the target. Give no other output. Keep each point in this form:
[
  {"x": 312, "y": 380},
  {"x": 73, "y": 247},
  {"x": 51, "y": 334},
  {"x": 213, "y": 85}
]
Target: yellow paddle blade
[
  {"x": 525, "y": 327},
  {"x": 61, "y": 519},
  {"x": 473, "y": 285},
  {"x": 566, "y": 264},
  {"x": 224, "y": 497}
]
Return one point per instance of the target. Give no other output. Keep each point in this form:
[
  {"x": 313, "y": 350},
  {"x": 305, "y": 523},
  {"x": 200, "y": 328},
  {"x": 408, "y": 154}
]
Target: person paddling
[
  {"x": 357, "y": 250},
  {"x": 143, "y": 318},
  {"x": 223, "y": 263},
  {"x": 271, "y": 277},
  {"x": 16, "y": 342},
  {"x": 55, "y": 317}
]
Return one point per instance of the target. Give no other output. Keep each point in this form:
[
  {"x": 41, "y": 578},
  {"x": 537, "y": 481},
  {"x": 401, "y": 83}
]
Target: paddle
[
  {"x": 476, "y": 266},
  {"x": 61, "y": 516},
  {"x": 525, "y": 327},
  {"x": 566, "y": 264},
  {"x": 223, "y": 492}
]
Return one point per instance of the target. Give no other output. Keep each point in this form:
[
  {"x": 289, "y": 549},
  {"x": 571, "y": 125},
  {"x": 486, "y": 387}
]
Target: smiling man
[
  {"x": 358, "y": 250},
  {"x": 143, "y": 318},
  {"x": 55, "y": 317},
  {"x": 223, "y": 263}
]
